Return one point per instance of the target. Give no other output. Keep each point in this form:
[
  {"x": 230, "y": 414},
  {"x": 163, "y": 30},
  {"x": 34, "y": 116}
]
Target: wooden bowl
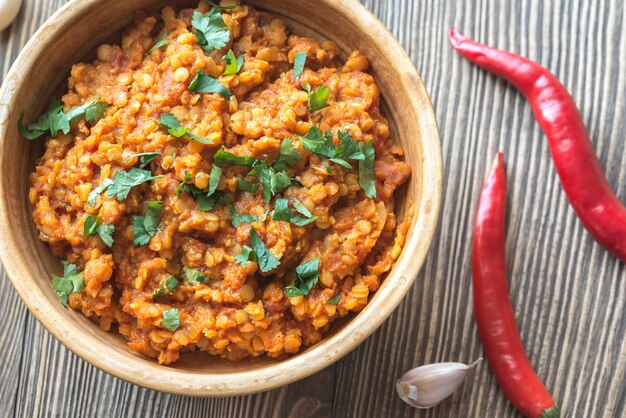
[{"x": 41, "y": 70}]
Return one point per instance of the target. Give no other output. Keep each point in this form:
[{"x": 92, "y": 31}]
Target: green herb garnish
[
  {"x": 55, "y": 120},
  {"x": 123, "y": 181},
  {"x": 94, "y": 112},
  {"x": 334, "y": 300},
  {"x": 71, "y": 281},
  {"x": 146, "y": 158},
  {"x": 210, "y": 29},
  {"x": 174, "y": 128},
  {"x": 203, "y": 83},
  {"x": 145, "y": 227},
  {"x": 207, "y": 199},
  {"x": 324, "y": 147},
  {"x": 273, "y": 182},
  {"x": 307, "y": 275},
  {"x": 222, "y": 157},
  {"x": 91, "y": 199},
  {"x": 348, "y": 148},
  {"x": 266, "y": 260},
  {"x": 206, "y": 203},
  {"x": 233, "y": 64},
  {"x": 298, "y": 64},
  {"x": 318, "y": 143},
  {"x": 170, "y": 321},
  {"x": 306, "y": 218},
  {"x": 247, "y": 254},
  {"x": 247, "y": 186},
  {"x": 287, "y": 156},
  {"x": 282, "y": 212},
  {"x": 159, "y": 43},
  {"x": 239, "y": 219},
  {"x": 195, "y": 276},
  {"x": 105, "y": 232},
  {"x": 317, "y": 98},
  {"x": 166, "y": 288},
  {"x": 367, "y": 178},
  {"x": 214, "y": 179}
]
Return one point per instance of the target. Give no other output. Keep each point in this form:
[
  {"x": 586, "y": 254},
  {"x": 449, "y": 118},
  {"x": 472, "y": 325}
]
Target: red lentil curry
[{"x": 217, "y": 184}]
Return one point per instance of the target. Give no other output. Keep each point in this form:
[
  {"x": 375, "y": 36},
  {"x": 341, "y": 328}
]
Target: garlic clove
[
  {"x": 426, "y": 386},
  {"x": 8, "y": 11}
]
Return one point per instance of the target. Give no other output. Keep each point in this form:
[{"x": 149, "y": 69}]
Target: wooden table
[{"x": 569, "y": 295}]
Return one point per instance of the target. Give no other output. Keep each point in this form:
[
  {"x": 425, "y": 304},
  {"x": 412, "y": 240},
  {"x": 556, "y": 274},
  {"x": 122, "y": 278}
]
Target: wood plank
[{"x": 569, "y": 294}]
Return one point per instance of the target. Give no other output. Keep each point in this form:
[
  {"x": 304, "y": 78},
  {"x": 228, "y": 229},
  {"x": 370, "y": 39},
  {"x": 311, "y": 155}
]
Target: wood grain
[{"x": 569, "y": 295}]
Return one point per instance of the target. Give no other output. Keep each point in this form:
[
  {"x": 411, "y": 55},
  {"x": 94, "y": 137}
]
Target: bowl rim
[{"x": 316, "y": 357}]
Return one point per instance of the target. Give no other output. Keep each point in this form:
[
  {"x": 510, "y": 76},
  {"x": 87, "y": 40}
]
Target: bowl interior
[{"x": 42, "y": 70}]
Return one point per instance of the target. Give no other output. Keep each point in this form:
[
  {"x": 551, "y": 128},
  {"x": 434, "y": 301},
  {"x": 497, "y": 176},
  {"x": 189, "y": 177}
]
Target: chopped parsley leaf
[
  {"x": 146, "y": 158},
  {"x": 214, "y": 179},
  {"x": 247, "y": 254},
  {"x": 367, "y": 178},
  {"x": 203, "y": 83},
  {"x": 207, "y": 199},
  {"x": 105, "y": 232},
  {"x": 266, "y": 260},
  {"x": 145, "y": 227},
  {"x": 170, "y": 321},
  {"x": 36, "y": 129},
  {"x": 287, "y": 156},
  {"x": 233, "y": 64},
  {"x": 94, "y": 113},
  {"x": 206, "y": 203},
  {"x": 166, "y": 288},
  {"x": 174, "y": 128},
  {"x": 317, "y": 98},
  {"x": 334, "y": 300},
  {"x": 55, "y": 120},
  {"x": 306, "y": 218},
  {"x": 318, "y": 143},
  {"x": 298, "y": 64},
  {"x": 91, "y": 199},
  {"x": 239, "y": 219},
  {"x": 159, "y": 43},
  {"x": 282, "y": 212},
  {"x": 187, "y": 188},
  {"x": 89, "y": 226},
  {"x": 71, "y": 281},
  {"x": 279, "y": 181},
  {"x": 247, "y": 186},
  {"x": 222, "y": 157},
  {"x": 307, "y": 275},
  {"x": 210, "y": 29},
  {"x": 348, "y": 148},
  {"x": 195, "y": 276},
  {"x": 273, "y": 182},
  {"x": 324, "y": 147},
  {"x": 123, "y": 181}
]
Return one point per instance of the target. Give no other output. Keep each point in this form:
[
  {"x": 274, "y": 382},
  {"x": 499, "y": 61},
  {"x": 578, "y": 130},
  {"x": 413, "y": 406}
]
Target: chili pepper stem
[{"x": 551, "y": 412}]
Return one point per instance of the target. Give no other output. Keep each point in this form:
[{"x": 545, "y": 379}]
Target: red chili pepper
[
  {"x": 494, "y": 314},
  {"x": 575, "y": 160}
]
